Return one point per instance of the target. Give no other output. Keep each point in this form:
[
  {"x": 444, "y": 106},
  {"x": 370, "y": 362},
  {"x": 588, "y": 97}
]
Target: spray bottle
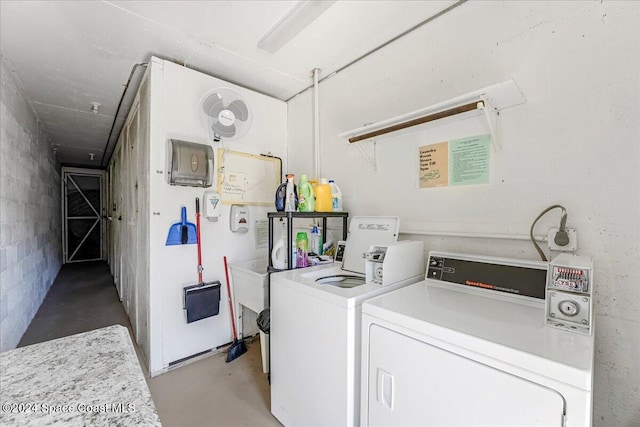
[{"x": 316, "y": 241}]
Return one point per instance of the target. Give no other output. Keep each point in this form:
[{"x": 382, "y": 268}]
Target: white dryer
[
  {"x": 315, "y": 325},
  {"x": 468, "y": 346}
]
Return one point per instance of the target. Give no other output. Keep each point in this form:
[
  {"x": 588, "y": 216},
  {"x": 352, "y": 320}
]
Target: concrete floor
[
  {"x": 208, "y": 391},
  {"x": 82, "y": 298}
]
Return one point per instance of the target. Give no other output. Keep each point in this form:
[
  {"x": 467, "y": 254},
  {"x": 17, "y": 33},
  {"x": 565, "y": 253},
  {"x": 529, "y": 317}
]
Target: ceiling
[{"x": 68, "y": 54}]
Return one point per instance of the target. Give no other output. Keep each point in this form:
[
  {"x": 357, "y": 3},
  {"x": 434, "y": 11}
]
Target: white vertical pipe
[{"x": 316, "y": 123}]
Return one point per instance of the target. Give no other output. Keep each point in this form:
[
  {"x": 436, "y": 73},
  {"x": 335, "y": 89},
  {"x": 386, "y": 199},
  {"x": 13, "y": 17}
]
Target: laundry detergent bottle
[
  {"x": 306, "y": 200},
  {"x": 324, "y": 202},
  {"x": 336, "y": 196},
  {"x": 281, "y": 196},
  {"x": 302, "y": 245},
  {"x": 279, "y": 251}
]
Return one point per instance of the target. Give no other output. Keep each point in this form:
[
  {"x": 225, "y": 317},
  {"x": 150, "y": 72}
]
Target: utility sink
[
  {"x": 250, "y": 283},
  {"x": 249, "y": 280}
]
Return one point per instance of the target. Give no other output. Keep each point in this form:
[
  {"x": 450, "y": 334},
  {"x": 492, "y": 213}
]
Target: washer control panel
[{"x": 569, "y": 294}]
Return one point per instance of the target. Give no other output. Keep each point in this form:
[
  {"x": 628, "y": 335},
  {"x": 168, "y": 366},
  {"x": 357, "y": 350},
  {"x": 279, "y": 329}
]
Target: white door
[
  {"x": 130, "y": 217},
  {"x": 83, "y": 214},
  {"x": 412, "y": 383},
  {"x": 115, "y": 213}
]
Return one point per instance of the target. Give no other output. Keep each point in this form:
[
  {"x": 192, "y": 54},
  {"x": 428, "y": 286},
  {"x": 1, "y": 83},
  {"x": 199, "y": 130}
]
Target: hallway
[
  {"x": 82, "y": 298},
  {"x": 205, "y": 392}
]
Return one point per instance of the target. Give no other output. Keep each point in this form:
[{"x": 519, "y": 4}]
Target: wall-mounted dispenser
[
  {"x": 212, "y": 205},
  {"x": 239, "y": 219},
  {"x": 190, "y": 164}
]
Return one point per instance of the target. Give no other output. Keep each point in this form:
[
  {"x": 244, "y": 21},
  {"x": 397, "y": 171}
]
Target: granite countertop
[{"x": 88, "y": 379}]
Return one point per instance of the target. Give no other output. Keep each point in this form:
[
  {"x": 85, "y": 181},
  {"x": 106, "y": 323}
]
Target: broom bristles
[{"x": 237, "y": 349}]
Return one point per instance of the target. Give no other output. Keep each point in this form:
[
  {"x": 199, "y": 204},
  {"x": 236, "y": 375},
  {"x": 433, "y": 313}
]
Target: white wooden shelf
[{"x": 489, "y": 100}]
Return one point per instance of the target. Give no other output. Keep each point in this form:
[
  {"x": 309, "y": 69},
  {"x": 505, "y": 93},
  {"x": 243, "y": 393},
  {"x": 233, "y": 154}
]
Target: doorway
[{"x": 83, "y": 214}]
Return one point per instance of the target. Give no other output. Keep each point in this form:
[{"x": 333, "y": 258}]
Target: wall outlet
[{"x": 573, "y": 240}]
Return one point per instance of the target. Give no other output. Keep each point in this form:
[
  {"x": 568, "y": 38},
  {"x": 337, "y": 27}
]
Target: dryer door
[{"x": 414, "y": 383}]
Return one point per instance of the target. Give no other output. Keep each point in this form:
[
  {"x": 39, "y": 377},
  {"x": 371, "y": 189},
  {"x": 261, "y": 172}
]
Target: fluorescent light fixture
[{"x": 296, "y": 20}]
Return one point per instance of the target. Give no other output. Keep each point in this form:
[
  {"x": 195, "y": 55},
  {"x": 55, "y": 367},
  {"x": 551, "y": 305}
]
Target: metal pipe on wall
[
  {"x": 115, "y": 118},
  {"x": 316, "y": 124},
  {"x": 388, "y": 42},
  {"x": 473, "y": 235}
]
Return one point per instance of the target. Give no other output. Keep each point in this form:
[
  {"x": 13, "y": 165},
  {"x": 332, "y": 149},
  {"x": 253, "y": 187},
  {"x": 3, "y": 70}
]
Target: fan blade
[
  {"x": 213, "y": 105},
  {"x": 222, "y": 130},
  {"x": 240, "y": 110}
]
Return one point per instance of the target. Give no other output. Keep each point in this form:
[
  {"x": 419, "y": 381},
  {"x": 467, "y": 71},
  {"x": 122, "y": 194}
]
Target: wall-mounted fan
[{"x": 225, "y": 114}]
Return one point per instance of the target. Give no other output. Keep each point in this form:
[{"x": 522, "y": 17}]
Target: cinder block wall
[{"x": 30, "y": 224}]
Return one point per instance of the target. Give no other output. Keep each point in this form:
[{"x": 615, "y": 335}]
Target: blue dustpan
[{"x": 183, "y": 232}]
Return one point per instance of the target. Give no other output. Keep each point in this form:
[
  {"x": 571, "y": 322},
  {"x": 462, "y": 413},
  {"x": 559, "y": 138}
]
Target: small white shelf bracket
[
  {"x": 491, "y": 114},
  {"x": 372, "y": 161}
]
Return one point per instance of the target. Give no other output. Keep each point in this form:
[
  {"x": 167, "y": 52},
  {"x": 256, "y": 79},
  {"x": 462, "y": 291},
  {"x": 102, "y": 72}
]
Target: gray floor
[
  {"x": 207, "y": 392},
  {"x": 82, "y": 298}
]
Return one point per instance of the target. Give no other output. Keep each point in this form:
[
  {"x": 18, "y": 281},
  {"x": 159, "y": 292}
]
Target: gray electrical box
[{"x": 190, "y": 164}]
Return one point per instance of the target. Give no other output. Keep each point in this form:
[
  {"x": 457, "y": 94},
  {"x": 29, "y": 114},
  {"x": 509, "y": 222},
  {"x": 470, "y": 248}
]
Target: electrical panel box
[
  {"x": 569, "y": 299},
  {"x": 190, "y": 164}
]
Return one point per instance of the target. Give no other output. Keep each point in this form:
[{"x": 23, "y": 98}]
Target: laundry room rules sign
[{"x": 463, "y": 161}]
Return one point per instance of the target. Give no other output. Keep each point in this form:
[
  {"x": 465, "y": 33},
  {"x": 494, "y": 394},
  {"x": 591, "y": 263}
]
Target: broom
[{"x": 237, "y": 348}]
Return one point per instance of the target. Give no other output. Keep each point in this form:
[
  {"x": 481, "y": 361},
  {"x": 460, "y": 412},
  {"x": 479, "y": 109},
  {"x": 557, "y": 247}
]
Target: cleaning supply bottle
[
  {"x": 302, "y": 244},
  {"x": 336, "y": 196},
  {"x": 291, "y": 198},
  {"x": 294, "y": 256},
  {"x": 279, "y": 251},
  {"x": 323, "y": 199},
  {"x": 314, "y": 186},
  {"x": 281, "y": 196},
  {"x": 316, "y": 241},
  {"x": 306, "y": 201}
]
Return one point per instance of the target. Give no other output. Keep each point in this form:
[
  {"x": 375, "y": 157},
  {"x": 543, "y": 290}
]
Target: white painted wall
[
  {"x": 175, "y": 99},
  {"x": 574, "y": 142},
  {"x": 30, "y": 224}
]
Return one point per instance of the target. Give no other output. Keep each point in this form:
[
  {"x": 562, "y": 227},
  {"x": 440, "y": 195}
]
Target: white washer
[
  {"x": 315, "y": 332},
  {"x": 315, "y": 347},
  {"x": 472, "y": 353},
  {"x": 315, "y": 335}
]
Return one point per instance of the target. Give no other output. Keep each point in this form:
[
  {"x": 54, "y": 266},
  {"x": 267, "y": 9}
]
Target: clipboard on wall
[{"x": 247, "y": 179}]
